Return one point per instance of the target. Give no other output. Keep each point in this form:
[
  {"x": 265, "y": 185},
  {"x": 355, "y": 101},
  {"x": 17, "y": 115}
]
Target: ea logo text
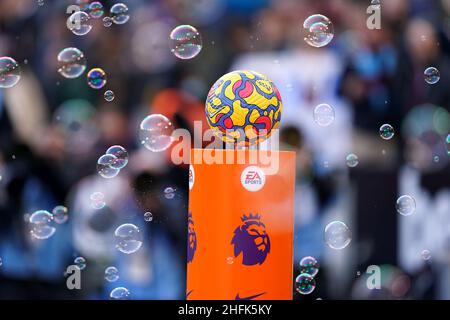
[{"x": 253, "y": 178}]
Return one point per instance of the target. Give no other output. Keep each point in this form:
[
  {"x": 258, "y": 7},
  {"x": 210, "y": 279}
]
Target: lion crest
[
  {"x": 252, "y": 240},
  {"x": 192, "y": 239}
]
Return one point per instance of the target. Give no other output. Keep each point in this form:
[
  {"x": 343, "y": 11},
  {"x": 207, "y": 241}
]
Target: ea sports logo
[
  {"x": 191, "y": 177},
  {"x": 253, "y": 178}
]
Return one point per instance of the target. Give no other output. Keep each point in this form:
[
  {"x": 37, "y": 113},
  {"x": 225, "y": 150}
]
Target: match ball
[{"x": 243, "y": 107}]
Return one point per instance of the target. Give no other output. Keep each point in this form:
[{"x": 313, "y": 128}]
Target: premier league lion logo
[
  {"x": 192, "y": 239},
  {"x": 251, "y": 239}
]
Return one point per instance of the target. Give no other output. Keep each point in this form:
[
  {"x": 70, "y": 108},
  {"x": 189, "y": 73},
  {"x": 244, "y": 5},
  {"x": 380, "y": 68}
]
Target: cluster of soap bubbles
[
  {"x": 110, "y": 164},
  {"x": 9, "y": 72},
  {"x": 155, "y": 132},
  {"x": 42, "y": 223},
  {"x": 80, "y": 23},
  {"x": 305, "y": 283},
  {"x": 72, "y": 64},
  {"x": 405, "y": 204},
  {"x": 185, "y": 42},
  {"x": 128, "y": 238},
  {"x": 337, "y": 235}
]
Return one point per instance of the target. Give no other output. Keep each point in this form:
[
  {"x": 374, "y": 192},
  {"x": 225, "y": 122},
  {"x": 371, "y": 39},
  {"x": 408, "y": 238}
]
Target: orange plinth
[{"x": 241, "y": 220}]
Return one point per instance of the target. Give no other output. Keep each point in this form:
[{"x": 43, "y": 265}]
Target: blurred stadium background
[{"x": 52, "y": 130}]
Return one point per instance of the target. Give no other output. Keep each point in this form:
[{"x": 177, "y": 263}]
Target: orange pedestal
[{"x": 241, "y": 220}]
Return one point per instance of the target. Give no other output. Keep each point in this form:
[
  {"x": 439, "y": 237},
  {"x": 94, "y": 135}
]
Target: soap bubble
[
  {"x": 80, "y": 262},
  {"x": 97, "y": 200},
  {"x": 323, "y": 115},
  {"x": 169, "y": 193},
  {"x": 185, "y": 42},
  {"x": 111, "y": 274},
  {"x": 60, "y": 214},
  {"x": 376, "y": 4},
  {"x": 432, "y": 75},
  {"x": 387, "y": 131},
  {"x": 405, "y": 205},
  {"x": 71, "y": 63},
  {"x": 42, "y": 225},
  {"x": 104, "y": 166},
  {"x": 128, "y": 238},
  {"x": 319, "y": 30},
  {"x": 309, "y": 265},
  {"x": 120, "y": 293},
  {"x": 96, "y": 78},
  {"x": 155, "y": 132},
  {"x": 9, "y": 72},
  {"x": 426, "y": 255},
  {"x": 109, "y": 95},
  {"x": 337, "y": 235},
  {"x": 119, "y": 13},
  {"x": 121, "y": 155},
  {"x": 305, "y": 283},
  {"x": 352, "y": 160},
  {"x": 79, "y": 23},
  {"x": 96, "y": 10},
  {"x": 148, "y": 216},
  {"x": 107, "y": 22}
]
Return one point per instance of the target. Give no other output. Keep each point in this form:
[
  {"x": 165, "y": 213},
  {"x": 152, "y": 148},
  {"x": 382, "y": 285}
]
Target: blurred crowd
[{"x": 52, "y": 131}]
